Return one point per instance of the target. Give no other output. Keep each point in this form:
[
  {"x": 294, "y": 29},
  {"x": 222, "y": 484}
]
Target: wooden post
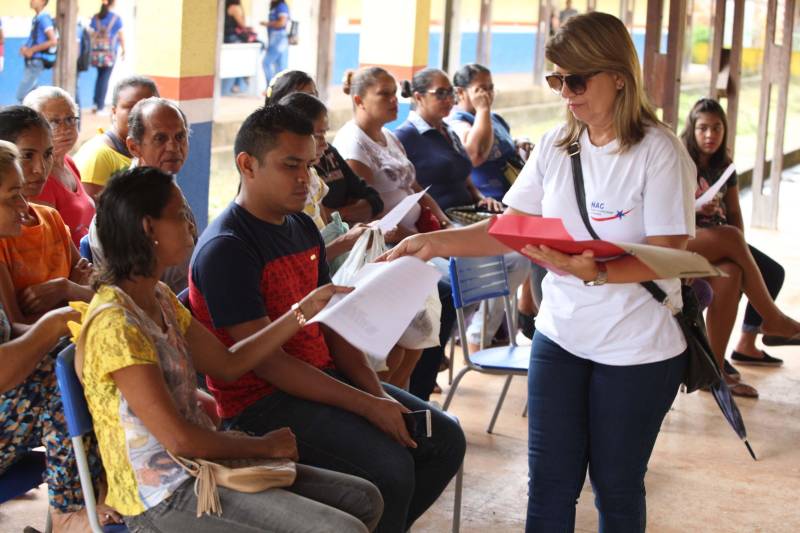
[
  {"x": 65, "y": 74},
  {"x": 717, "y": 36},
  {"x": 450, "y": 50},
  {"x": 689, "y": 40},
  {"x": 775, "y": 72},
  {"x": 662, "y": 72},
  {"x": 542, "y": 34},
  {"x": 324, "y": 11},
  {"x": 591, "y": 5},
  {"x": 483, "y": 53},
  {"x": 735, "y": 73}
]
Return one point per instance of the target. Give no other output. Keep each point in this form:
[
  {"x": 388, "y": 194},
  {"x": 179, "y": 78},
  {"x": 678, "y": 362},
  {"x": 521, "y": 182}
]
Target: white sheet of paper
[
  {"x": 386, "y": 298},
  {"x": 709, "y": 194},
  {"x": 670, "y": 263},
  {"x": 390, "y": 220}
]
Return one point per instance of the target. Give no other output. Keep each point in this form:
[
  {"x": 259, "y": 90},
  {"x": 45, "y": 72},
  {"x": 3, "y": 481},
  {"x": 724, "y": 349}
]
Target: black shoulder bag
[{"x": 701, "y": 368}]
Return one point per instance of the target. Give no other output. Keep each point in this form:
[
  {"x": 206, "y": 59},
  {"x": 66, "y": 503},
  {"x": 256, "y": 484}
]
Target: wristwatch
[{"x": 601, "y": 278}]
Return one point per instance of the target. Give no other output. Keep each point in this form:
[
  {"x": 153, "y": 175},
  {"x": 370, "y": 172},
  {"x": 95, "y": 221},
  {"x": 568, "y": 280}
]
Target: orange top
[{"x": 41, "y": 252}]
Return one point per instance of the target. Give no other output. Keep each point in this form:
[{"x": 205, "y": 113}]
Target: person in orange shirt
[{"x": 41, "y": 268}]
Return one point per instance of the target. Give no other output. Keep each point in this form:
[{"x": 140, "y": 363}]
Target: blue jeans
[
  {"x": 410, "y": 480},
  {"x": 101, "y": 86},
  {"x": 585, "y": 413},
  {"x": 276, "y": 59},
  {"x": 30, "y": 77}
]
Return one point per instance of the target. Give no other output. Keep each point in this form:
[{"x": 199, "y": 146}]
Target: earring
[{"x": 155, "y": 242}]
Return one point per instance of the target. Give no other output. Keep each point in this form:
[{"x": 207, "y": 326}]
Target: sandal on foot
[
  {"x": 743, "y": 390},
  {"x": 775, "y": 340},
  {"x": 765, "y": 360},
  {"x": 731, "y": 370}
]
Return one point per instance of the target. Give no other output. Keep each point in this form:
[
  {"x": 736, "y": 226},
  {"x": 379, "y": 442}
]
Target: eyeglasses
[
  {"x": 442, "y": 94},
  {"x": 70, "y": 122},
  {"x": 576, "y": 83}
]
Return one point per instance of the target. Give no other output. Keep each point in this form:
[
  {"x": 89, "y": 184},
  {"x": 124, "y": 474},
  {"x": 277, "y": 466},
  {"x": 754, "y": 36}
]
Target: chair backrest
[
  {"x": 84, "y": 249},
  {"x": 474, "y": 279},
  {"x": 76, "y": 412}
]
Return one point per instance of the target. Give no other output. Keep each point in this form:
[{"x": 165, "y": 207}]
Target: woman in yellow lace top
[{"x": 141, "y": 354}]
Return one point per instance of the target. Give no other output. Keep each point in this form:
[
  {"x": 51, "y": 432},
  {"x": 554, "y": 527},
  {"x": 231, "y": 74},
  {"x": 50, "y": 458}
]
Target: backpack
[
  {"x": 48, "y": 56},
  {"x": 84, "y": 50},
  {"x": 103, "y": 52}
]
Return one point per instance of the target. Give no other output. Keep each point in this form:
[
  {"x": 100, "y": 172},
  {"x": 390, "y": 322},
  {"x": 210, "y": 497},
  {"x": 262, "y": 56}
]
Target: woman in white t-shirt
[
  {"x": 607, "y": 359},
  {"x": 376, "y": 155}
]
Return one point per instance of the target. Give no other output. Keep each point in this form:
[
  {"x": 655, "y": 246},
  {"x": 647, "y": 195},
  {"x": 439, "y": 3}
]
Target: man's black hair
[
  {"x": 308, "y": 105},
  {"x": 133, "y": 81},
  {"x": 259, "y": 132}
]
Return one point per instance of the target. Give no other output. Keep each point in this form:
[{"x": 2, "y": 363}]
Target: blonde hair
[
  {"x": 41, "y": 95},
  {"x": 598, "y": 42},
  {"x": 9, "y": 159}
]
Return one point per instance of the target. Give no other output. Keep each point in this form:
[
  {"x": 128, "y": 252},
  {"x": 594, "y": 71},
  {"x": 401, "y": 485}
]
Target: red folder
[{"x": 517, "y": 231}]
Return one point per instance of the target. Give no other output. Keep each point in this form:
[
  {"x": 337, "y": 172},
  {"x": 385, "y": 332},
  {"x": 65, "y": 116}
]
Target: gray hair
[
  {"x": 37, "y": 98},
  {"x": 136, "y": 117}
]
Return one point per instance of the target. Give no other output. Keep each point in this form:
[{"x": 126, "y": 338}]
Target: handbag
[
  {"x": 467, "y": 214},
  {"x": 242, "y": 475},
  {"x": 702, "y": 370},
  {"x": 294, "y": 33},
  {"x": 103, "y": 50}
]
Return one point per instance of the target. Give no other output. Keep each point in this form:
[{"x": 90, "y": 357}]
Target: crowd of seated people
[{"x": 281, "y": 388}]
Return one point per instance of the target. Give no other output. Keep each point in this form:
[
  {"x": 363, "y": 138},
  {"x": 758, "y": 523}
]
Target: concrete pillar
[
  {"x": 395, "y": 35},
  {"x": 182, "y": 62}
]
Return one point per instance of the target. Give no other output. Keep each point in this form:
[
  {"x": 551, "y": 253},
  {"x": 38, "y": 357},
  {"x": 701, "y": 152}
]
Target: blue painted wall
[
  {"x": 193, "y": 177},
  {"x": 511, "y": 52}
]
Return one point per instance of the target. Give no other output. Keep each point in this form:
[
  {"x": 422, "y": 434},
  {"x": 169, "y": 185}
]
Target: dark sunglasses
[
  {"x": 442, "y": 93},
  {"x": 576, "y": 83}
]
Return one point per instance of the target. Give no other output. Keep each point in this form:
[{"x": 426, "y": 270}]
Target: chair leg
[
  {"x": 452, "y": 359},
  {"x": 86, "y": 484},
  {"x": 499, "y": 404},
  {"x": 457, "y": 500},
  {"x": 454, "y": 386},
  {"x": 525, "y": 410}
]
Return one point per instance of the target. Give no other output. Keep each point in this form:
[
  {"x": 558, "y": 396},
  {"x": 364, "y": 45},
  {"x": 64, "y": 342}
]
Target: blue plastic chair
[
  {"x": 475, "y": 279},
  {"x": 84, "y": 249},
  {"x": 22, "y": 476},
  {"x": 79, "y": 423}
]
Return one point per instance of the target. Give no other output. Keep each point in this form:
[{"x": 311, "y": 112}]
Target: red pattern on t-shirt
[{"x": 284, "y": 281}]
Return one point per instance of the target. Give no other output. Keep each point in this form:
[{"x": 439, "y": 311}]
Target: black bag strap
[{"x": 574, "y": 151}]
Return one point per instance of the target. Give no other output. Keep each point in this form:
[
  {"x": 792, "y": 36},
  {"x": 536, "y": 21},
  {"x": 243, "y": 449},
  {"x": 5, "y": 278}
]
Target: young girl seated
[
  {"x": 40, "y": 269},
  {"x": 140, "y": 357},
  {"x": 720, "y": 238},
  {"x": 31, "y": 414}
]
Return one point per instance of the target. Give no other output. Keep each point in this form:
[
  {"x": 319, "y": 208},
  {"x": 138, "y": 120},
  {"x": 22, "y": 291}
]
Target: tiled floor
[{"x": 700, "y": 477}]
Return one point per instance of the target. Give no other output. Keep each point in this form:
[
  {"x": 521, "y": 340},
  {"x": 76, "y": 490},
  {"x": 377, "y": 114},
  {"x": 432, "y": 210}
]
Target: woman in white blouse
[{"x": 607, "y": 358}]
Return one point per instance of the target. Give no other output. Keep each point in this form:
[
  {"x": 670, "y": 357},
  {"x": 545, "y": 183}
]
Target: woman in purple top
[{"x": 106, "y": 26}]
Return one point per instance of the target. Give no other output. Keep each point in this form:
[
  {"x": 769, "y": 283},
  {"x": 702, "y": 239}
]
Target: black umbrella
[{"x": 722, "y": 394}]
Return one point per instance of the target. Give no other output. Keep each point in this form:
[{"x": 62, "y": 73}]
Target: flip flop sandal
[
  {"x": 743, "y": 390},
  {"x": 766, "y": 360}
]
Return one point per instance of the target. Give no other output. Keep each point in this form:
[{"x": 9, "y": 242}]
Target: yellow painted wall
[{"x": 160, "y": 53}]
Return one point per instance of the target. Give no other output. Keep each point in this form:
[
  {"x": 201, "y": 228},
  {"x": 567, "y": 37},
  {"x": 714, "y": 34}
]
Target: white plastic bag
[
  {"x": 423, "y": 332},
  {"x": 367, "y": 248}
]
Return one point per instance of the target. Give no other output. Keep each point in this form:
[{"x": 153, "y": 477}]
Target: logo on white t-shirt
[{"x": 601, "y": 213}]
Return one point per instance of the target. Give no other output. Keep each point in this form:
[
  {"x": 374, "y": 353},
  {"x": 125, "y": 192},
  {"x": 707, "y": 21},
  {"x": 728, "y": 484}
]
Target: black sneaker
[
  {"x": 767, "y": 360},
  {"x": 730, "y": 369}
]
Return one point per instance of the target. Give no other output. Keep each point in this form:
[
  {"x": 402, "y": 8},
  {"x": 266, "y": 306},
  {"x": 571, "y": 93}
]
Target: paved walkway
[{"x": 700, "y": 477}]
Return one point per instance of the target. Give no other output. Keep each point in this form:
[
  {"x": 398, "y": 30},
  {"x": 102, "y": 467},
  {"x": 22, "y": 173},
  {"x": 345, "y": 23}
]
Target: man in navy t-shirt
[
  {"x": 251, "y": 264},
  {"x": 37, "y": 48}
]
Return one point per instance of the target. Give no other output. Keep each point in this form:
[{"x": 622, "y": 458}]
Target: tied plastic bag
[
  {"x": 368, "y": 247},
  {"x": 335, "y": 228},
  {"x": 423, "y": 332}
]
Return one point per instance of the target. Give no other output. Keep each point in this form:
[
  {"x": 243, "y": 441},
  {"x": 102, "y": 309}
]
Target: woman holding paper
[
  {"x": 607, "y": 358},
  {"x": 720, "y": 237},
  {"x": 140, "y": 350}
]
